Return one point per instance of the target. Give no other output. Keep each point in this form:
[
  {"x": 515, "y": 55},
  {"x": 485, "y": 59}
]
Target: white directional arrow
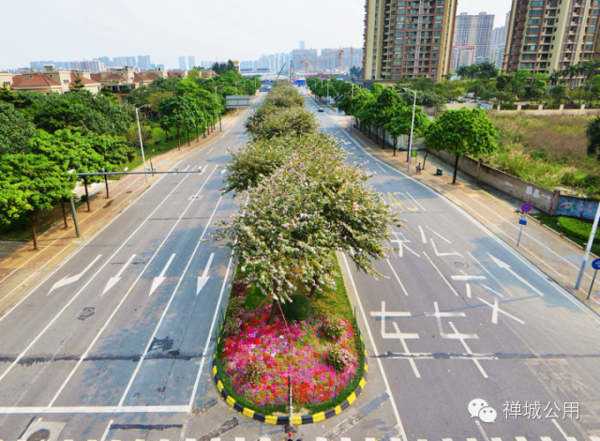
[
  {"x": 113, "y": 280},
  {"x": 204, "y": 277},
  {"x": 67, "y": 280},
  {"x": 507, "y": 267},
  {"x": 160, "y": 279}
]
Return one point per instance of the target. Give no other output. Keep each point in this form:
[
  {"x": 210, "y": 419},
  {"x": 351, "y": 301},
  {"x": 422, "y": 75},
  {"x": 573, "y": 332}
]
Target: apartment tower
[
  {"x": 475, "y": 30},
  {"x": 546, "y": 35},
  {"x": 408, "y": 38}
]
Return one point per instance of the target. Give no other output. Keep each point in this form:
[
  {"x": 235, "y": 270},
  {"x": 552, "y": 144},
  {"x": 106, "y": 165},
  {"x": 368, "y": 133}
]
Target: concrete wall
[
  {"x": 457, "y": 106},
  {"x": 542, "y": 199},
  {"x": 572, "y": 206}
]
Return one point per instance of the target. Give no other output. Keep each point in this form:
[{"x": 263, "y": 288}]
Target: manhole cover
[
  {"x": 460, "y": 264},
  {"x": 86, "y": 312},
  {"x": 40, "y": 435}
]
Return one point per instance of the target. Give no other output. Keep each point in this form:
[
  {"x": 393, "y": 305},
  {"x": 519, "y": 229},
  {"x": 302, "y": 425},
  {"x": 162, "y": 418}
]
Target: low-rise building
[{"x": 52, "y": 81}]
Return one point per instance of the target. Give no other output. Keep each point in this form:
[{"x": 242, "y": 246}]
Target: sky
[{"x": 70, "y": 30}]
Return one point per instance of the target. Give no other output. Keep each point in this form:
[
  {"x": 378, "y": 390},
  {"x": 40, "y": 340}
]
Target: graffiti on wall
[{"x": 576, "y": 207}]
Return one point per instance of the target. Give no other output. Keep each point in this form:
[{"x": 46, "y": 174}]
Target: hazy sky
[{"x": 69, "y": 30}]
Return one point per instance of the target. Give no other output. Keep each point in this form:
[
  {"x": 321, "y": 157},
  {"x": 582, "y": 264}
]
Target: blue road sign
[
  {"x": 328, "y": 103},
  {"x": 526, "y": 208},
  {"x": 523, "y": 221},
  {"x": 596, "y": 264}
]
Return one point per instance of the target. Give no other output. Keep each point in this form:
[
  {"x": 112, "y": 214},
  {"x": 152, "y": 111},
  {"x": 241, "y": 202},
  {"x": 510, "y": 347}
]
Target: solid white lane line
[
  {"x": 92, "y": 409},
  {"x": 89, "y": 348},
  {"x": 382, "y": 169},
  {"x": 114, "y": 280},
  {"x": 492, "y": 291},
  {"x": 462, "y": 338},
  {"x": 441, "y": 275},
  {"x": 468, "y": 290},
  {"x": 68, "y": 280},
  {"x": 438, "y": 235},
  {"x": 385, "y": 380},
  {"x": 423, "y": 238},
  {"x": 110, "y": 423},
  {"x": 397, "y": 278},
  {"x": 466, "y": 278},
  {"x": 22, "y": 354},
  {"x": 81, "y": 247},
  {"x": 209, "y": 336},
  {"x": 415, "y": 201},
  {"x": 162, "y": 317},
  {"x": 485, "y": 437},
  {"x": 489, "y": 273},
  {"x": 161, "y": 278}
]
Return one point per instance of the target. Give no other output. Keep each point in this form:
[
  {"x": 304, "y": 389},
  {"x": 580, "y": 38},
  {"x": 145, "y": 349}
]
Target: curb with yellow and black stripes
[{"x": 296, "y": 420}]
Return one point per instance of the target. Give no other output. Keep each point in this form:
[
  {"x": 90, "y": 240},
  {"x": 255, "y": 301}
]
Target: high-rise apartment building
[
  {"x": 544, "y": 35},
  {"x": 182, "y": 64},
  {"x": 463, "y": 56},
  {"x": 499, "y": 36},
  {"x": 408, "y": 38},
  {"x": 191, "y": 61},
  {"x": 144, "y": 61},
  {"x": 475, "y": 30},
  {"x": 302, "y": 45},
  {"x": 300, "y": 55}
]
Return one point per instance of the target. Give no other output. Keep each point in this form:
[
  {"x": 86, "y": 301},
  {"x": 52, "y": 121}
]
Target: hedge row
[{"x": 577, "y": 227}]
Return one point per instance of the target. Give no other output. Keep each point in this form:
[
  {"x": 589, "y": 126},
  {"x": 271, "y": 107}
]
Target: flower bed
[{"x": 320, "y": 356}]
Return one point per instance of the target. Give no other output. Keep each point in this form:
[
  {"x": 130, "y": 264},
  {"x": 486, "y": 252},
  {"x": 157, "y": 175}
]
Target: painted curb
[{"x": 285, "y": 420}]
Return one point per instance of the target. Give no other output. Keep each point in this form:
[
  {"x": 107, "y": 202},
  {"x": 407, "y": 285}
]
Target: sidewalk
[
  {"x": 22, "y": 267},
  {"x": 554, "y": 255}
]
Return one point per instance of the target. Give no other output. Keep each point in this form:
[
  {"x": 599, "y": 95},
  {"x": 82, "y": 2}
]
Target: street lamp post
[
  {"x": 412, "y": 127},
  {"x": 137, "y": 116},
  {"x": 216, "y": 98},
  {"x": 327, "y": 93}
]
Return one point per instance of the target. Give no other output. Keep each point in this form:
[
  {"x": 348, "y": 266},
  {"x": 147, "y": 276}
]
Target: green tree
[
  {"x": 462, "y": 132},
  {"x": 15, "y": 130},
  {"x": 176, "y": 114},
  {"x": 31, "y": 183},
  {"x": 402, "y": 124},
  {"x": 559, "y": 93},
  {"x": 592, "y": 133}
]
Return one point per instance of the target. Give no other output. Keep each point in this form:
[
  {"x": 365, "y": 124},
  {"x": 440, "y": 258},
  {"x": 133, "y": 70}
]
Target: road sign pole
[
  {"x": 588, "y": 248},
  {"x": 592, "y": 285},
  {"x": 520, "y": 232}
]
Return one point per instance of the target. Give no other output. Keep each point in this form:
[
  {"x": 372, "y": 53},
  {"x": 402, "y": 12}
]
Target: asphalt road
[
  {"x": 460, "y": 316},
  {"x": 115, "y": 344},
  {"x": 123, "y": 327}
]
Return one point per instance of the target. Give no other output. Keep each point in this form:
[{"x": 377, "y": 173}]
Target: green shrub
[
  {"x": 332, "y": 327},
  {"x": 578, "y": 228},
  {"x": 298, "y": 309}
]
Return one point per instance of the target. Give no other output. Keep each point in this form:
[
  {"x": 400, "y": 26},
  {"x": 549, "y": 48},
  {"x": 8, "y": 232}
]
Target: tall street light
[
  {"x": 137, "y": 116},
  {"x": 412, "y": 127},
  {"x": 216, "y": 98}
]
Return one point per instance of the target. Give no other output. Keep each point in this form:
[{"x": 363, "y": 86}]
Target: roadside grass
[
  {"x": 549, "y": 151},
  {"x": 551, "y": 222}
]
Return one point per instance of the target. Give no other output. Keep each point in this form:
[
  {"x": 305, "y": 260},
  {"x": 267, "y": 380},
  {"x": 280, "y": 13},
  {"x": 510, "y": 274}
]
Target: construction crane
[
  {"x": 312, "y": 61},
  {"x": 340, "y": 52},
  {"x": 279, "y": 74},
  {"x": 292, "y": 71}
]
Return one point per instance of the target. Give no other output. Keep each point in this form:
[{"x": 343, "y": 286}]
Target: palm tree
[
  {"x": 571, "y": 71},
  {"x": 555, "y": 76}
]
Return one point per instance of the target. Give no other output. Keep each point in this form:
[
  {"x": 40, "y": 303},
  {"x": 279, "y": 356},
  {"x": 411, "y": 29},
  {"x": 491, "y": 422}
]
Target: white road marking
[
  {"x": 497, "y": 310},
  {"x": 204, "y": 277},
  {"x": 385, "y": 380},
  {"x": 161, "y": 278},
  {"x": 150, "y": 341},
  {"x": 505, "y": 266},
  {"x": 110, "y": 423},
  {"x": 388, "y": 314},
  {"x": 462, "y": 338},
  {"x": 492, "y": 291},
  {"x": 223, "y": 171},
  {"x": 441, "y": 237},
  {"x": 485, "y": 437},
  {"x": 453, "y": 253},
  {"x": 441, "y": 275},
  {"x": 423, "y": 238},
  {"x": 467, "y": 278},
  {"x": 439, "y": 315},
  {"x": 468, "y": 290},
  {"x": 68, "y": 280},
  {"x": 402, "y": 337},
  {"x": 114, "y": 280},
  {"x": 209, "y": 337},
  {"x": 397, "y": 278},
  {"x": 211, "y": 149},
  {"x": 383, "y": 169},
  {"x": 106, "y": 323},
  {"x": 93, "y": 409},
  {"x": 563, "y": 433},
  {"x": 415, "y": 201},
  {"x": 22, "y": 354}
]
